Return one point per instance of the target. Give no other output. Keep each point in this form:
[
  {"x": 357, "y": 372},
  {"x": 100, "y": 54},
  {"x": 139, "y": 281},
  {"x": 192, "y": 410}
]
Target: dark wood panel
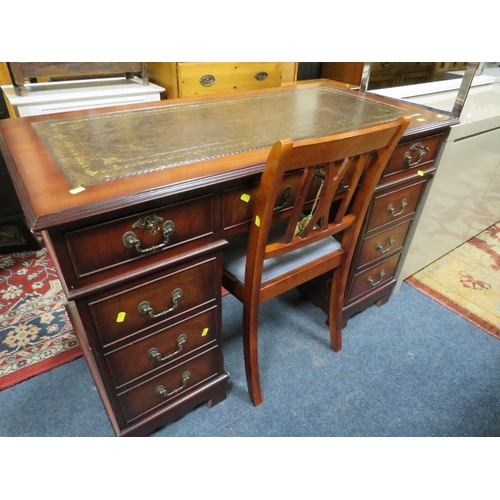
[{"x": 14, "y": 233}]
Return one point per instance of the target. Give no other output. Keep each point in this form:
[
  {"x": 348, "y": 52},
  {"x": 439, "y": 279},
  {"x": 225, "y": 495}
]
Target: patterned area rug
[
  {"x": 35, "y": 332},
  {"x": 467, "y": 280}
]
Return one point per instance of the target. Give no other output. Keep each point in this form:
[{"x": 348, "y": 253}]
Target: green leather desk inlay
[{"x": 103, "y": 147}]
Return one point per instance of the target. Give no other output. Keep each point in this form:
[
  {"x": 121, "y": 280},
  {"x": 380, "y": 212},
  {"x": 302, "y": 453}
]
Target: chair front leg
[{"x": 250, "y": 349}]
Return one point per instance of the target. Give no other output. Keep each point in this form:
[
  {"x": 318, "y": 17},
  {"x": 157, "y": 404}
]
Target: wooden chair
[{"x": 273, "y": 258}]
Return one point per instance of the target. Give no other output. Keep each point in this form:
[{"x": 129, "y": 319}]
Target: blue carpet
[{"x": 408, "y": 368}]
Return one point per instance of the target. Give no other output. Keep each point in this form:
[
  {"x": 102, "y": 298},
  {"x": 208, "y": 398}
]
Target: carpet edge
[
  {"x": 40, "y": 367},
  {"x": 454, "y": 307}
]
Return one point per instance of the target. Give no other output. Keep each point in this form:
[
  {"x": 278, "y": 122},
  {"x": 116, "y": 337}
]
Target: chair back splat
[{"x": 313, "y": 234}]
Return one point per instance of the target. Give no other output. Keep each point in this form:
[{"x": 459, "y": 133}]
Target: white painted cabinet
[
  {"x": 464, "y": 197},
  {"x": 57, "y": 97}
]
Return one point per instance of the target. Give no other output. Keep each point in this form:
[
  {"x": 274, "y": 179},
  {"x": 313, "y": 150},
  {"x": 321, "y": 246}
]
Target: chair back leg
[{"x": 336, "y": 306}]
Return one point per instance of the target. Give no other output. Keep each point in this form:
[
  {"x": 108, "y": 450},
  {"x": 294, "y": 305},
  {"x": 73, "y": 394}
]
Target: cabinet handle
[
  {"x": 287, "y": 192},
  {"x": 380, "y": 247},
  {"x": 261, "y": 76},
  {"x": 130, "y": 239},
  {"x": 408, "y": 158},
  {"x": 390, "y": 208},
  {"x": 153, "y": 353},
  {"x": 207, "y": 80},
  {"x": 161, "y": 391},
  {"x": 375, "y": 283},
  {"x": 145, "y": 308}
]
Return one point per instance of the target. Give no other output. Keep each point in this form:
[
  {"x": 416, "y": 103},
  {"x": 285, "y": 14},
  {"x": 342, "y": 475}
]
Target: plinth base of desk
[
  {"x": 211, "y": 393},
  {"x": 320, "y": 297}
]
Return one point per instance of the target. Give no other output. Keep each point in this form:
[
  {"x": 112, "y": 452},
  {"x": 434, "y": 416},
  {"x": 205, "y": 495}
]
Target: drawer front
[
  {"x": 415, "y": 67},
  {"x": 392, "y": 206},
  {"x": 165, "y": 347},
  {"x": 373, "y": 278},
  {"x": 413, "y": 154},
  {"x": 238, "y": 203},
  {"x": 196, "y": 79},
  {"x": 383, "y": 244},
  {"x": 129, "y": 311},
  {"x": 113, "y": 243},
  {"x": 385, "y": 68},
  {"x": 179, "y": 381}
]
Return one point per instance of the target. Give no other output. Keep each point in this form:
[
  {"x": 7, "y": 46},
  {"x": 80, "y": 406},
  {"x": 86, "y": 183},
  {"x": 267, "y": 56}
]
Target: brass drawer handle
[
  {"x": 408, "y": 158},
  {"x": 380, "y": 246},
  {"x": 287, "y": 193},
  {"x": 261, "y": 76},
  {"x": 161, "y": 391},
  {"x": 343, "y": 184},
  {"x": 390, "y": 208},
  {"x": 375, "y": 283},
  {"x": 145, "y": 308},
  {"x": 130, "y": 239},
  {"x": 207, "y": 80},
  {"x": 153, "y": 353}
]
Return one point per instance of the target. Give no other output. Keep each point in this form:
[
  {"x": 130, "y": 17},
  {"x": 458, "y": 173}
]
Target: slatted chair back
[{"x": 358, "y": 157}]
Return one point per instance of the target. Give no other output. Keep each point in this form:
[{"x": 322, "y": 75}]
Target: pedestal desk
[{"x": 135, "y": 202}]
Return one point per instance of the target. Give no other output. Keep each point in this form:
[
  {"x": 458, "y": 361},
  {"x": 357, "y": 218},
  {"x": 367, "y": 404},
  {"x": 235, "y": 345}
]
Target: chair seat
[{"x": 235, "y": 255}]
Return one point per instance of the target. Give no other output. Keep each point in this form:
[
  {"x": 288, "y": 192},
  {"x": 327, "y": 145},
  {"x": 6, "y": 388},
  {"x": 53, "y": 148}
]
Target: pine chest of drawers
[{"x": 188, "y": 79}]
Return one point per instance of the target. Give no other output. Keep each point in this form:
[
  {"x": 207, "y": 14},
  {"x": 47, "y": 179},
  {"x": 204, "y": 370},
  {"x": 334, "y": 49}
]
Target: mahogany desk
[{"x": 135, "y": 202}]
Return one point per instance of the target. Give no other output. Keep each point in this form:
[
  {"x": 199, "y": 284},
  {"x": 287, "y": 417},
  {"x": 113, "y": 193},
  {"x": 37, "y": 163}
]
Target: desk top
[
  {"x": 104, "y": 147},
  {"x": 86, "y": 163}
]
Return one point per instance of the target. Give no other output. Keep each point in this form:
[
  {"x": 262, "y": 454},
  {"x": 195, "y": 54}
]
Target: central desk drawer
[
  {"x": 102, "y": 246},
  {"x": 238, "y": 203},
  {"x": 180, "y": 380},
  {"x": 162, "y": 348},
  {"x": 148, "y": 305}
]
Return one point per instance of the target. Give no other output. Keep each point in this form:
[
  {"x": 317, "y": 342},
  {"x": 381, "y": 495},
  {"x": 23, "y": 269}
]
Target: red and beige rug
[
  {"x": 467, "y": 280},
  {"x": 35, "y": 332}
]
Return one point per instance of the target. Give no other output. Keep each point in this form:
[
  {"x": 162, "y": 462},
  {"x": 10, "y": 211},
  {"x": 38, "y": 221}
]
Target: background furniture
[
  {"x": 389, "y": 74},
  {"x": 20, "y": 72},
  {"x": 14, "y": 233},
  {"x": 188, "y": 79},
  {"x": 72, "y": 86},
  {"x": 61, "y": 96}
]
